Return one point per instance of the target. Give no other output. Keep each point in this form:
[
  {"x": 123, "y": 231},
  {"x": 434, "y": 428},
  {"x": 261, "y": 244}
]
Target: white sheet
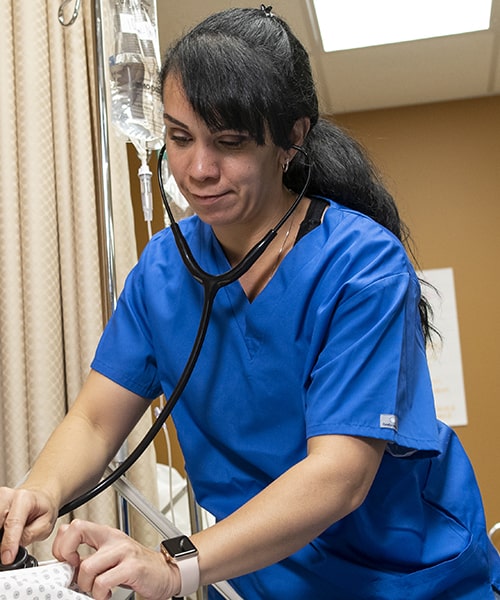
[{"x": 51, "y": 581}]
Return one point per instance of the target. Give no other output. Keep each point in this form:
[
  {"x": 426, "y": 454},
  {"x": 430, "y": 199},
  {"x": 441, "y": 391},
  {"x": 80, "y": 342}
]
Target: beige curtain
[{"x": 50, "y": 303}]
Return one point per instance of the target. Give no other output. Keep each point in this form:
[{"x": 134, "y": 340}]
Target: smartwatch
[{"x": 182, "y": 552}]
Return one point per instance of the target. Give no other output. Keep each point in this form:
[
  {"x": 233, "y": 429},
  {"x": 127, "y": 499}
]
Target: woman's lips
[{"x": 207, "y": 198}]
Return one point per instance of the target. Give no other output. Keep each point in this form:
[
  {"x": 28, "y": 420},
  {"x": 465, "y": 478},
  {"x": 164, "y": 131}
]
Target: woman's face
[{"x": 224, "y": 175}]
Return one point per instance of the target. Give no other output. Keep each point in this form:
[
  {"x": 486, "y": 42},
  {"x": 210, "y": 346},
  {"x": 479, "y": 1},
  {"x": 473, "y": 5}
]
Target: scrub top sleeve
[
  {"x": 125, "y": 351},
  {"x": 371, "y": 377}
]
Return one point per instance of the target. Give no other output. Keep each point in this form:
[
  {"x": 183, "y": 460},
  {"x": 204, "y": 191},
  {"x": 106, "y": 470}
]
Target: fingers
[
  {"x": 24, "y": 518},
  {"x": 14, "y": 517},
  {"x": 78, "y": 532},
  {"x": 101, "y": 572},
  {"x": 65, "y": 550},
  {"x": 97, "y": 574},
  {"x": 117, "y": 560}
]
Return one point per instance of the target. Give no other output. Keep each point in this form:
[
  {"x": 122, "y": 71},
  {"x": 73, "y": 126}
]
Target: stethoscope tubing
[{"x": 211, "y": 285}]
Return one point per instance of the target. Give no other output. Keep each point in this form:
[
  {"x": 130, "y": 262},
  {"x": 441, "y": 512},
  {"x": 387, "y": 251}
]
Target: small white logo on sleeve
[{"x": 389, "y": 422}]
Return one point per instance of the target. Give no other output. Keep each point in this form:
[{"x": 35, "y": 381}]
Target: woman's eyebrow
[{"x": 168, "y": 117}]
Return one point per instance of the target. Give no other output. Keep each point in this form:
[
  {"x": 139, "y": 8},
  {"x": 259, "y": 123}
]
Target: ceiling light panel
[{"x": 348, "y": 24}]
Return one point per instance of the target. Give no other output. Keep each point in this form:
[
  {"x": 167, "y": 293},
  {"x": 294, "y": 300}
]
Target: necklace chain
[{"x": 280, "y": 252}]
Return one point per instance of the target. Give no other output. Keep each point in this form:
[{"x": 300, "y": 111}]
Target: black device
[{"x": 23, "y": 560}]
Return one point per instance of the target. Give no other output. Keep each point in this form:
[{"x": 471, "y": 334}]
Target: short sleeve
[
  {"x": 371, "y": 378},
  {"x": 125, "y": 352}
]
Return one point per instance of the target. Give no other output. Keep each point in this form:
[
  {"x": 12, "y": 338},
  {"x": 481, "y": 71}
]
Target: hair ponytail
[{"x": 342, "y": 171}]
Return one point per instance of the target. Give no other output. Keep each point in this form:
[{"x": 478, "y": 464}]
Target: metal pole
[{"x": 105, "y": 206}]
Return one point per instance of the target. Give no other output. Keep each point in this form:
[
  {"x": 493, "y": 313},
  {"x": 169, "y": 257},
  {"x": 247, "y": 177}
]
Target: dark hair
[{"x": 257, "y": 76}]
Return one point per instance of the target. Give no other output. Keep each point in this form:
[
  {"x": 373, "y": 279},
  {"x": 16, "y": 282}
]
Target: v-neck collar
[{"x": 248, "y": 314}]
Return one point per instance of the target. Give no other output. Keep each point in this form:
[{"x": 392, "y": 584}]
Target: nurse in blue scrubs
[{"x": 308, "y": 425}]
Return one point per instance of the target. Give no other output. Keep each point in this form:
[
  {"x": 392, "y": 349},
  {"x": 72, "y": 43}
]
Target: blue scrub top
[{"x": 332, "y": 345}]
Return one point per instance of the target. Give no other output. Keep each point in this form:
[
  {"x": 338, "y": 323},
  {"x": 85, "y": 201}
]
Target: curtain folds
[{"x": 50, "y": 304}]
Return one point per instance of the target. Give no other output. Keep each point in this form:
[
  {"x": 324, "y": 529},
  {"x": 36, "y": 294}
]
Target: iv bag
[{"x": 136, "y": 105}]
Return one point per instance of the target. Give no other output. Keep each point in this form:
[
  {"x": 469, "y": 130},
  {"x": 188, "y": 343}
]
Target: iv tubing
[{"x": 146, "y": 192}]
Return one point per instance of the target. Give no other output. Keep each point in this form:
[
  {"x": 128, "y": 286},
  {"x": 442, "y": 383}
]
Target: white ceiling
[{"x": 439, "y": 69}]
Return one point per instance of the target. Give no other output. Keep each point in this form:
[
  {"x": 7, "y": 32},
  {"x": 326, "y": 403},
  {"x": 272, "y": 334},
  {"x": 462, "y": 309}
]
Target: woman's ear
[
  {"x": 300, "y": 130},
  {"x": 298, "y": 134}
]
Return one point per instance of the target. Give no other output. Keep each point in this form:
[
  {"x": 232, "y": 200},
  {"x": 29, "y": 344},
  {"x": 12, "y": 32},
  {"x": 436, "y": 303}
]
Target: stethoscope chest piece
[{"x": 23, "y": 560}]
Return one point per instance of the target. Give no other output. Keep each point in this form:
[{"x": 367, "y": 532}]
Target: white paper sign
[{"x": 444, "y": 355}]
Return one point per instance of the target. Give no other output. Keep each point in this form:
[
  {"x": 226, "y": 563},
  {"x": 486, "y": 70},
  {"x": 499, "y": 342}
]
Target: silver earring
[{"x": 286, "y": 165}]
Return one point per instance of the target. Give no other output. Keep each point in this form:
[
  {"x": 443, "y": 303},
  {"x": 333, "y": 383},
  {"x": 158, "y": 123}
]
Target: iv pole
[
  {"x": 105, "y": 214},
  {"x": 104, "y": 191},
  {"x": 104, "y": 195}
]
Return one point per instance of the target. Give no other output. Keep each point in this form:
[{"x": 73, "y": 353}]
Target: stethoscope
[{"x": 211, "y": 285}]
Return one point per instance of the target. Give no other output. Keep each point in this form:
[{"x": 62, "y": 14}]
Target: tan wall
[{"x": 442, "y": 162}]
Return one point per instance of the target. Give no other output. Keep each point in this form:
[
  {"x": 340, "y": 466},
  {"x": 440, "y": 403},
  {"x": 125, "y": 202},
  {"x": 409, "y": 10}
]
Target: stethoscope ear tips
[{"x": 23, "y": 560}]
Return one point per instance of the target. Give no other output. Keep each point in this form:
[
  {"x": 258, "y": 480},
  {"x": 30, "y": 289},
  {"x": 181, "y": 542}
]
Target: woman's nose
[{"x": 204, "y": 163}]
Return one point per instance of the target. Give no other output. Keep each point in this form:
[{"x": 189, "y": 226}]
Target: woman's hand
[
  {"x": 26, "y": 515},
  {"x": 118, "y": 560},
  {"x": 94, "y": 427}
]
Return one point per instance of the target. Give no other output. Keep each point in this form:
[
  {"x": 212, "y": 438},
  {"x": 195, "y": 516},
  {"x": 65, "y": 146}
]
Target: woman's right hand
[{"x": 26, "y": 515}]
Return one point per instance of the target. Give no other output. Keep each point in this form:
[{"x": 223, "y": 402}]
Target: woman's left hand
[{"x": 118, "y": 560}]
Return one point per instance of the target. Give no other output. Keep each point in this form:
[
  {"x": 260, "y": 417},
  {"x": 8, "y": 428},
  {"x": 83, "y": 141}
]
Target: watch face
[{"x": 179, "y": 547}]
